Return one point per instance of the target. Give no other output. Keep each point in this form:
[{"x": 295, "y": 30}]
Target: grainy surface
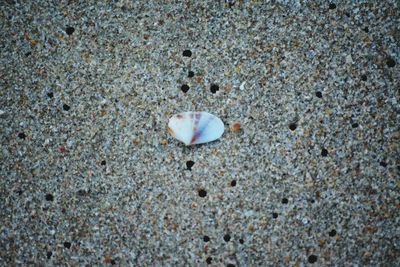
[{"x": 89, "y": 174}]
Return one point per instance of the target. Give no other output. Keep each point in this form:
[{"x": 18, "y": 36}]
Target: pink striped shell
[{"x": 194, "y": 128}]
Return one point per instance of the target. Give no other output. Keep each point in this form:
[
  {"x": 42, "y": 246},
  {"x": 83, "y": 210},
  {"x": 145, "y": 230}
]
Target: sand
[{"x": 90, "y": 176}]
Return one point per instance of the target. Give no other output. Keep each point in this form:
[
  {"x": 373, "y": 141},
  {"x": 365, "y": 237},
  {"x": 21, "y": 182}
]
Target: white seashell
[{"x": 195, "y": 127}]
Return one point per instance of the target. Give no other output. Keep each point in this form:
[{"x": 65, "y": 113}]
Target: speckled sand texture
[{"x": 308, "y": 175}]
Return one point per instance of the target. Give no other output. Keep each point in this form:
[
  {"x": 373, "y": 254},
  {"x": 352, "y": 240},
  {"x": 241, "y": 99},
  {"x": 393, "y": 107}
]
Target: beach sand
[{"x": 90, "y": 176}]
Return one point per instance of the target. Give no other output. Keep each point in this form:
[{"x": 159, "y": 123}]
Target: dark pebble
[
  {"x": 332, "y": 233},
  {"x": 185, "y": 88},
  {"x": 66, "y": 107},
  {"x": 70, "y": 30},
  {"x": 292, "y": 126},
  {"x": 189, "y": 164},
  {"x": 390, "y": 62},
  {"x": 22, "y": 135},
  {"x": 364, "y": 78},
  {"x": 49, "y": 197},
  {"x": 67, "y": 245},
  {"x": 312, "y": 259},
  {"x": 214, "y": 88},
  {"x": 202, "y": 193},
  {"x": 227, "y": 237},
  {"x": 187, "y": 53}
]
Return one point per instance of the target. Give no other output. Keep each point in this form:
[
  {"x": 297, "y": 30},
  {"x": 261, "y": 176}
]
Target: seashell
[{"x": 195, "y": 127}]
